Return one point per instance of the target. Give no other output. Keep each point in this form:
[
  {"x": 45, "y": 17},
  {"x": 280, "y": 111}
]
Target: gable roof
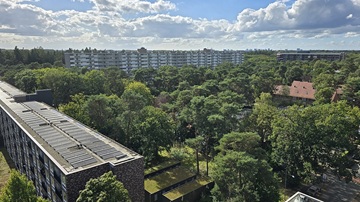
[{"x": 298, "y": 89}]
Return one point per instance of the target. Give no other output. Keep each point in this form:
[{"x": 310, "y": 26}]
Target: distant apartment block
[
  {"x": 132, "y": 59},
  {"x": 307, "y": 56},
  {"x": 58, "y": 153}
]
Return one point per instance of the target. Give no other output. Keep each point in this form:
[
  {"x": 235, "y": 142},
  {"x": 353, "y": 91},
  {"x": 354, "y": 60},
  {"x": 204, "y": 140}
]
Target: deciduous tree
[
  {"x": 105, "y": 188},
  {"x": 19, "y": 188}
]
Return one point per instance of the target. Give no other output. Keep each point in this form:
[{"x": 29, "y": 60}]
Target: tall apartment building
[
  {"x": 58, "y": 153},
  {"x": 132, "y": 59},
  {"x": 307, "y": 56}
]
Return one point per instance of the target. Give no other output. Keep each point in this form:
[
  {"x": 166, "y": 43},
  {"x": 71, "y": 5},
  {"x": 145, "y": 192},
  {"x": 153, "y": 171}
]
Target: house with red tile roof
[
  {"x": 337, "y": 94},
  {"x": 302, "y": 91},
  {"x": 299, "y": 90}
]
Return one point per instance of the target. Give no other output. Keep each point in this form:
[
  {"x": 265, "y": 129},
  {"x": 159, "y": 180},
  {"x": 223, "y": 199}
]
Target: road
[{"x": 335, "y": 190}]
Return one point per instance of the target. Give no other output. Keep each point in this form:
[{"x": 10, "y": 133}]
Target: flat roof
[
  {"x": 67, "y": 142},
  {"x": 310, "y": 53},
  {"x": 161, "y": 166},
  {"x": 187, "y": 188},
  {"x": 167, "y": 179}
]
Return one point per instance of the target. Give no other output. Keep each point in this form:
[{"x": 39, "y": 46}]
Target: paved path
[{"x": 335, "y": 190}]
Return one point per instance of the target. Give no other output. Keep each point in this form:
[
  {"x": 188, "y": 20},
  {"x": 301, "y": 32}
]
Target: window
[
  {"x": 63, "y": 181},
  {"x": 155, "y": 197}
]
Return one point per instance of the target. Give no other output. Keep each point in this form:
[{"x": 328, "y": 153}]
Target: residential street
[{"x": 335, "y": 190}]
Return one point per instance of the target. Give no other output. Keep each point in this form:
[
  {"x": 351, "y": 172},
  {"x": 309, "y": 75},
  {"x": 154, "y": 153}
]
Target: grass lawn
[
  {"x": 160, "y": 166},
  {"x": 166, "y": 179},
  {"x": 187, "y": 188},
  {"x": 188, "y": 158},
  {"x": 5, "y": 166}
]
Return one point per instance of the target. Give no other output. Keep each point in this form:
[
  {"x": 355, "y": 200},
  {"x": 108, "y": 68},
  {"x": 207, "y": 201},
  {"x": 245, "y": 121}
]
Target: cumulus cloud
[
  {"x": 303, "y": 14},
  {"x": 273, "y": 17},
  {"x": 133, "y": 6},
  {"x": 25, "y": 19},
  {"x": 153, "y": 23}
]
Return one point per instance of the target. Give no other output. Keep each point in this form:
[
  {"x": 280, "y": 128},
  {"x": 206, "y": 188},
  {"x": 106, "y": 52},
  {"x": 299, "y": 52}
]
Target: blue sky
[{"x": 180, "y": 24}]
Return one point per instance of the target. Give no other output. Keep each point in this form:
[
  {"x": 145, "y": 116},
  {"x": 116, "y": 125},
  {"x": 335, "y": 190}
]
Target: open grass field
[{"x": 5, "y": 165}]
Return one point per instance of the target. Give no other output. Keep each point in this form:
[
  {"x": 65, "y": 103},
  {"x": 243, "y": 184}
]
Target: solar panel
[
  {"x": 84, "y": 162},
  {"x": 48, "y": 123},
  {"x": 78, "y": 157},
  {"x": 89, "y": 141},
  {"x": 113, "y": 155},
  {"x": 68, "y": 153},
  {"x": 106, "y": 151}
]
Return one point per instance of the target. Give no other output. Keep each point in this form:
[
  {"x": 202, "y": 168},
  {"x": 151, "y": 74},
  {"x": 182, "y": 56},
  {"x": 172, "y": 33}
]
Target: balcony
[
  {"x": 58, "y": 193},
  {"x": 41, "y": 159},
  {"x": 42, "y": 171},
  {"x": 44, "y": 186},
  {"x": 57, "y": 178}
]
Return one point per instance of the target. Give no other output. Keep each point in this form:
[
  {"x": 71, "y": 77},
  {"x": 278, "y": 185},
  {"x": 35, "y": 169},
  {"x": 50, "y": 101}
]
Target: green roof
[
  {"x": 187, "y": 188},
  {"x": 160, "y": 167},
  {"x": 167, "y": 179}
]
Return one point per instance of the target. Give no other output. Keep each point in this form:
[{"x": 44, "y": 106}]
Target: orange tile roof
[
  {"x": 336, "y": 96},
  {"x": 299, "y": 89}
]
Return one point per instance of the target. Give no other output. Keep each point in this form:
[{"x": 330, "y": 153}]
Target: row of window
[{"x": 49, "y": 181}]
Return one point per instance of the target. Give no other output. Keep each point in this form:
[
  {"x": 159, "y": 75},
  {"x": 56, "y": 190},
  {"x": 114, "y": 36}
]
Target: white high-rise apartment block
[{"x": 132, "y": 59}]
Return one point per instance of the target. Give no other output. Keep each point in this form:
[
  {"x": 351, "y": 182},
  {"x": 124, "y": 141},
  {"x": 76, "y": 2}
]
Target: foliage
[
  {"x": 153, "y": 130},
  {"x": 76, "y": 108},
  {"x": 352, "y": 90},
  {"x": 94, "y": 82},
  {"x": 19, "y": 188},
  {"x": 152, "y": 109},
  {"x": 105, "y": 188},
  {"x": 240, "y": 173},
  {"x": 262, "y": 116},
  {"x": 333, "y": 126},
  {"x": 196, "y": 144},
  {"x": 26, "y": 80}
]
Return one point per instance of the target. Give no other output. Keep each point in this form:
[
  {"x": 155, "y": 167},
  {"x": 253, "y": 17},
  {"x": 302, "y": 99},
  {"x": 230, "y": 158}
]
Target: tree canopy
[
  {"x": 105, "y": 188},
  {"x": 19, "y": 188},
  {"x": 227, "y": 115}
]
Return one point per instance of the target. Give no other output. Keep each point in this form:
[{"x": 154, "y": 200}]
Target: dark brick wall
[
  {"x": 1, "y": 140},
  {"x": 131, "y": 174},
  {"x": 76, "y": 181}
]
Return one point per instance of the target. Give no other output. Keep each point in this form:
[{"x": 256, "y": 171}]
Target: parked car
[{"x": 313, "y": 190}]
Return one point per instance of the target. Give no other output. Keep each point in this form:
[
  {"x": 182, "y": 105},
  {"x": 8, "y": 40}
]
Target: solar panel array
[
  {"x": 99, "y": 147},
  {"x": 75, "y": 154},
  {"x": 67, "y": 148}
]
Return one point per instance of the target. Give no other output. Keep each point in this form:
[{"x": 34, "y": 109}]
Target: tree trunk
[
  {"x": 207, "y": 165},
  {"x": 197, "y": 162}
]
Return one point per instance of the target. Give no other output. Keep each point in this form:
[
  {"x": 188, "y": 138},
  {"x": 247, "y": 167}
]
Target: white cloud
[
  {"x": 133, "y": 6},
  {"x": 105, "y": 24},
  {"x": 351, "y": 34},
  {"x": 303, "y": 14}
]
